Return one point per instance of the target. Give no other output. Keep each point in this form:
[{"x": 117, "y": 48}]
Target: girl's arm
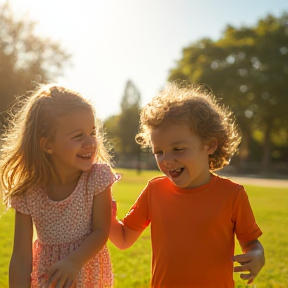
[
  {"x": 67, "y": 269},
  {"x": 120, "y": 235},
  {"x": 21, "y": 261},
  {"x": 252, "y": 261}
]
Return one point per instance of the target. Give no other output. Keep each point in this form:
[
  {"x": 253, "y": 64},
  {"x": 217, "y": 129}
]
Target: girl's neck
[
  {"x": 66, "y": 178},
  {"x": 63, "y": 187}
]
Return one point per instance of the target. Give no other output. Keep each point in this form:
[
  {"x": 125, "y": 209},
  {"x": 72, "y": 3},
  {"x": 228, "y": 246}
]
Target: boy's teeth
[{"x": 177, "y": 170}]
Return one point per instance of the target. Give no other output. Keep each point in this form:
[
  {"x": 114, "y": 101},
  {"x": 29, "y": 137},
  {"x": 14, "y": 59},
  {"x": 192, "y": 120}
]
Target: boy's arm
[
  {"x": 21, "y": 261},
  {"x": 252, "y": 261},
  {"x": 120, "y": 235}
]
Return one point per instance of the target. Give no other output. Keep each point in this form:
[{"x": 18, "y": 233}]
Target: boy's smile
[{"x": 181, "y": 155}]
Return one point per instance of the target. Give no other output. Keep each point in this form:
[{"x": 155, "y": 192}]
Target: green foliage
[
  {"x": 26, "y": 59},
  {"x": 248, "y": 68},
  {"x": 132, "y": 266},
  {"x": 122, "y": 129}
]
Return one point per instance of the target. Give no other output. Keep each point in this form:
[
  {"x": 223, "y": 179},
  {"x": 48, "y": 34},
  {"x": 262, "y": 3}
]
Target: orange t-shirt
[{"x": 192, "y": 231}]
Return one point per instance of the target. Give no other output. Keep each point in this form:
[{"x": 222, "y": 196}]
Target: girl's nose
[{"x": 90, "y": 142}]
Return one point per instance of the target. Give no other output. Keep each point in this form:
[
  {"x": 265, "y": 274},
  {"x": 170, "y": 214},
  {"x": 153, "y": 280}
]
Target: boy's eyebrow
[
  {"x": 177, "y": 142},
  {"x": 171, "y": 144}
]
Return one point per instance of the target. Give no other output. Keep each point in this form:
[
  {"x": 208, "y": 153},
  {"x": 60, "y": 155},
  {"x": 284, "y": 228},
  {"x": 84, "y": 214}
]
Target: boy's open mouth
[{"x": 175, "y": 172}]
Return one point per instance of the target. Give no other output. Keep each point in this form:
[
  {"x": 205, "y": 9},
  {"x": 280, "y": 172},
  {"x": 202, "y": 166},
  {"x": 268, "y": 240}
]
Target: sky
[{"x": 112, "y": 41}]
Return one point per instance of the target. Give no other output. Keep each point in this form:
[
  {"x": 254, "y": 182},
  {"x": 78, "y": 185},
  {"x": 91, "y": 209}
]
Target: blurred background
[{"x": 119, "y": 53}]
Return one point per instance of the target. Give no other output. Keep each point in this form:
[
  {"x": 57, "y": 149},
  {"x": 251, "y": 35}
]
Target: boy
[{"x": 194, "y": 214}]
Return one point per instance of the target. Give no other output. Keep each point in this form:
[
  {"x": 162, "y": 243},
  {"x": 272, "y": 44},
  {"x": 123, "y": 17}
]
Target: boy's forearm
[
  {"x": 121, "y": 235},
  {"x": 254, "y": 245},
  {"x": 116, "y": 235}
]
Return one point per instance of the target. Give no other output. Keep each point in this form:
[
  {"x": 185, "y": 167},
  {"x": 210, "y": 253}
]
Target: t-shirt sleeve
[
  {"x": 101, "y": 177},
  {"x": 138, "y": 216},
  {"x": 246, "y": 228},
  {"x": 19, "y": 203}
]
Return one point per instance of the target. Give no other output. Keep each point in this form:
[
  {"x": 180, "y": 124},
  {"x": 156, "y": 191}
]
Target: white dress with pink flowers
[{"x": 62, "y": 226}]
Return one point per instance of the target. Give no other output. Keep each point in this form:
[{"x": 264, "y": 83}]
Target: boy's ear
[
  {"x": 45, "y": 145},
  {"x": 212, "y": 146}
]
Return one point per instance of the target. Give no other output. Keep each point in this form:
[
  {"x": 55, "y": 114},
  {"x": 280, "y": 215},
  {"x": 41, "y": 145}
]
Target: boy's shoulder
[
  {"x": 226, "y": 182},
  {"x": 158, "y": 179}
]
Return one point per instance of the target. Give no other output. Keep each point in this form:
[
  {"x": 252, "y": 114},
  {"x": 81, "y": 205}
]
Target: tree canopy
[
  {"x": 122, "y": 129},
  {"x": 248, "y": 68},
  {"x": 25, "y": 58}
]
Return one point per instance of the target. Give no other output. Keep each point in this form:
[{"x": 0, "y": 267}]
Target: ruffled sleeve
[
  {"x": 19, "y": 203},
  {"x": 101, "y": 177}
]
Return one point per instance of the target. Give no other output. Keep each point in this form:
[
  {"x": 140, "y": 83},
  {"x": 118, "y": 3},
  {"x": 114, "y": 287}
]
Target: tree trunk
[{"x": 267, "y": 147}]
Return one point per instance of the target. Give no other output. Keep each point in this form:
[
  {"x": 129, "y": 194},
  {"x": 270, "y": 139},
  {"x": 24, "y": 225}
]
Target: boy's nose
[{"x": 168, "y": 160}]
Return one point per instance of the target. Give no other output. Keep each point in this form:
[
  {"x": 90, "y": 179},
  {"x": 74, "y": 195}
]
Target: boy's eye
[
  {"x": 178, "y": 149},
  {"x": 157, "y": 152},
  {"x": 78, "y": 136}
]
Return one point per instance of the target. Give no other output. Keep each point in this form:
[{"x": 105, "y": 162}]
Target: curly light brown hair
[
  {"x": 196, "y": 106},
  {"x": 24, "y": 165}
]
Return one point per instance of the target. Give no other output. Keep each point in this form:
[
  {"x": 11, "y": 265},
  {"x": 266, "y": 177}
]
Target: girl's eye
[{"x": 93, "y": 133}]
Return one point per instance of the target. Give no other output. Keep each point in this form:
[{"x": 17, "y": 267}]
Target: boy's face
[{"x": 181, "y": 155}]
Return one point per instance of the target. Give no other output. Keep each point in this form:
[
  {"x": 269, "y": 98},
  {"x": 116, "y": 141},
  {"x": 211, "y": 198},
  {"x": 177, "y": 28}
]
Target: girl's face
[
  {"x": 181, "y": 155},
  {"x": 73, "y": 147}
]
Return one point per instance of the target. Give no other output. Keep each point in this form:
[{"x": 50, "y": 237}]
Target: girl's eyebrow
[
  {"x": 74, "y": 131},
  {"x": 79, "y": 130}
]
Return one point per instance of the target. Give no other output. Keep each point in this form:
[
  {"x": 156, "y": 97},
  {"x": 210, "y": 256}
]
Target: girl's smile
[{"x": 73, "y": 147}]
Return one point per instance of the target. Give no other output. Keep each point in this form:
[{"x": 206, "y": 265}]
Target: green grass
[{"x": 132, "y": 267}]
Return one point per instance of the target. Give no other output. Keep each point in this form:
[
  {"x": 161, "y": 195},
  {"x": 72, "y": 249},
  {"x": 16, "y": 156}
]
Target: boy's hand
[{"x": 252, "y": 262}]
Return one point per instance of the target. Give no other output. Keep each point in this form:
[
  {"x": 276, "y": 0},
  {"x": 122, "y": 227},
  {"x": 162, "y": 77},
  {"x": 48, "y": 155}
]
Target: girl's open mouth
[{"x": 85, "y": 156}]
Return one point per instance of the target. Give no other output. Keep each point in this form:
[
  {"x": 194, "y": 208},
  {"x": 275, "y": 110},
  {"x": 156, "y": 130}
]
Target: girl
[
  {"x": 55, "y": 173},
  {"x": 194, "y": 213}
]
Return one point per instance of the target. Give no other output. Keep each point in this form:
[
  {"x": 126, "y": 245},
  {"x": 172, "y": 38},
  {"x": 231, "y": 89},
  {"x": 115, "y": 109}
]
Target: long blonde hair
[{"x": 24, "y": 165}]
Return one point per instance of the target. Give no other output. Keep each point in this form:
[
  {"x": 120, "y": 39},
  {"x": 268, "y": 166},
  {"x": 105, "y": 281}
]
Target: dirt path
[{"x": 279, "y": 183}]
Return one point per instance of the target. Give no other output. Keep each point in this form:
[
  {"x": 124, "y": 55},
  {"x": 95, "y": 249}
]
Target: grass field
[{"x": 132, "y": 267}]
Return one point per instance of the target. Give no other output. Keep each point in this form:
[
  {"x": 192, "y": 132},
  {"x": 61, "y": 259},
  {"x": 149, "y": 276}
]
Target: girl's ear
[
  {"x": 45, "y": 145},
  {"x": 213, "y": 144}
]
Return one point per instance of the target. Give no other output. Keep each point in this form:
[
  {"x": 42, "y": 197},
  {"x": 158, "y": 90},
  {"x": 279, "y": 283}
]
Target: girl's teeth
[{"x": 87, "y": 155}]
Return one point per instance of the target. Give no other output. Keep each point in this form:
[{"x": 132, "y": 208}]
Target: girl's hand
[{"x": 63, "y": 274}]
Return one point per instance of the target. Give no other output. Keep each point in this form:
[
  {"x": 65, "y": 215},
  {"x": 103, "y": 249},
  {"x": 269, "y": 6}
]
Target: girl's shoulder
[
  {"x": 20, "y": 202},
  {"x": 99, "y": 170},
  {"x": 100, "y": 177}
]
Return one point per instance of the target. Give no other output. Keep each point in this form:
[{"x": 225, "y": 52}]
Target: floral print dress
[{"x": 62, "y": 226}]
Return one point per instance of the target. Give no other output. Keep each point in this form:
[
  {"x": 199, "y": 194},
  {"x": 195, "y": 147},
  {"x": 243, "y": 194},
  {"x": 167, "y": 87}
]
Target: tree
[
  {"x": 25, "y": 59},
  {"x": 122, "y": 129},
  {"x": 248, "y": 67}
]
